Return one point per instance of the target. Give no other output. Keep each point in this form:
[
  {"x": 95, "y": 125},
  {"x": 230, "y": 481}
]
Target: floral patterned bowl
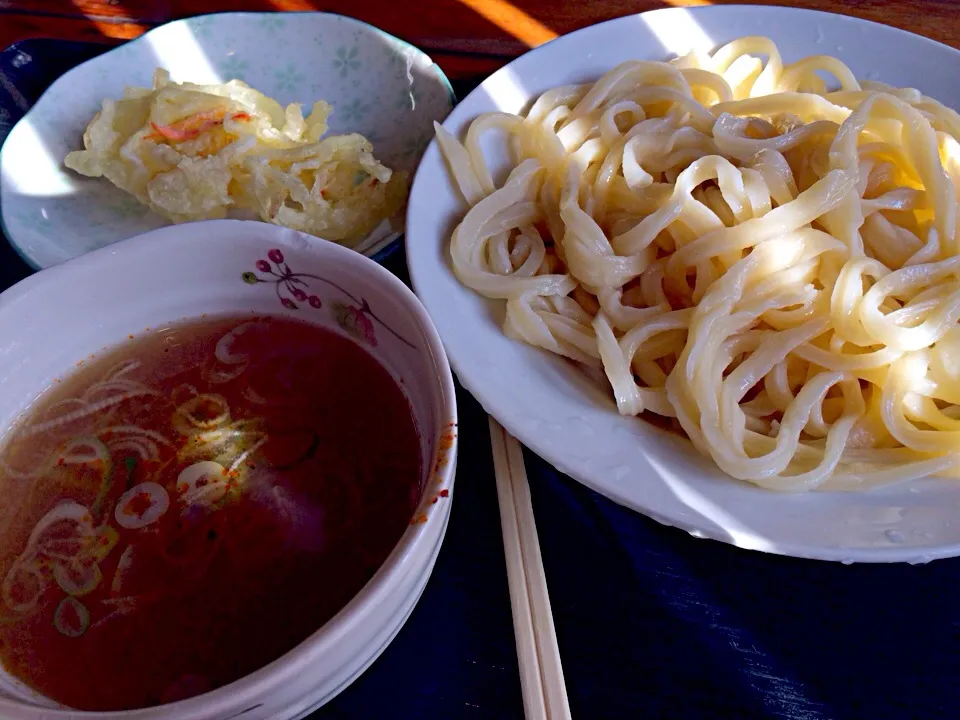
[
  {"x": 60, "y": 316},
  {"x": 380, "y": 86}
]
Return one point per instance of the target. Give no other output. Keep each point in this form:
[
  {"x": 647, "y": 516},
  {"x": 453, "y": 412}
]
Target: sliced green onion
[
  {"x": 106, "y": 483},
  {"x": 141, "y": 505},
  {"x": 137, "y": 431},
  {"x": 246, "y": 453},
  {"x": 85, "y": 450},
  {"x": 105, "y": 540},
  {"x": 203, "y": 483},
  {"x": 99, "y": 452},
  {"x": 146, "y": 443},
  {"x": 224, "y": 349},
  {"x": 187, "y": 418},
  {"x": 65, "y": 548},
  {"x": 23, "y": 585},
  {"x": 76, "y": 578},
  {"x": 145, "y": 448},
  {"x": 217, "y": 377},
  {"x": 183, "y": 392},
  {"x": 126, "y": 560},
  {"x": 128, "y": 602},
  {"x": 122, "y": 368},
  {"x": 87, "y": 408},
  {"x": 31, "y": 474},
  {"x": 71, "y": 617},
  {"x": 69, "y": 512}
]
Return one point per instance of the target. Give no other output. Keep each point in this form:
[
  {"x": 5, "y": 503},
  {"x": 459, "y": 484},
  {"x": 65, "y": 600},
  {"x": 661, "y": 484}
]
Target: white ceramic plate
[
  {"x": 380, "y": 86},
  {"x": 572, "y": 422}
]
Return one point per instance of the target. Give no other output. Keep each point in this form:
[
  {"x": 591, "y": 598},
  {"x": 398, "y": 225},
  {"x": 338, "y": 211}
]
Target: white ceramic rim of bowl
[
  {"x": 421, "y": 264},
  {"x": 313, "y": 648},
  {"x": 374, "y": 249}
]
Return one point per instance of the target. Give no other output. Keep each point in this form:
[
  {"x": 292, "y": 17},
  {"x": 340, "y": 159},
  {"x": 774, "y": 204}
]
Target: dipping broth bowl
[{"x": 59, "y": 317}]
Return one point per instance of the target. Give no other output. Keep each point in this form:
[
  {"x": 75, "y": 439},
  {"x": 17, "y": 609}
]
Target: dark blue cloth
[{"x": 652, "y": 623}]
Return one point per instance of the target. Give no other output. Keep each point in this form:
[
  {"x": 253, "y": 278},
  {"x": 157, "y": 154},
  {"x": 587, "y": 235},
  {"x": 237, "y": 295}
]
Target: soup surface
[{"x": 189, "y": 507}]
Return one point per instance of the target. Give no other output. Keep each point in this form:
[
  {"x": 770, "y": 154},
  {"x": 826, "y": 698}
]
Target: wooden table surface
[{"x": 465, "y": 37}]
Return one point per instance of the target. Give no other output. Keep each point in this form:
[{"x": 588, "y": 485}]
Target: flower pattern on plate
[
  {"x": 346, "y": 61},
  {"x": 202, "y": 26},
  {"x": 272, "y": 22},
  {"x": 288, "y": 78},
  {"x": 233, "y": 68},
  {"x": 354, "y": 111}
]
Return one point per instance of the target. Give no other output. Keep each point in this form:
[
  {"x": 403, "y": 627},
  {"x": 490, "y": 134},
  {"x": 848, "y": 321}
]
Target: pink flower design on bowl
[
  {"x": 355, "y": 321},
  {"x": 355, "y": 317}
]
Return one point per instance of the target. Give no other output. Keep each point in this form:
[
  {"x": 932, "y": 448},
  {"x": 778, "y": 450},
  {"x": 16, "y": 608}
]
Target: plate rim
[
  {"x": 381, "y": 246},
  {"x": 533, "y": 440}
]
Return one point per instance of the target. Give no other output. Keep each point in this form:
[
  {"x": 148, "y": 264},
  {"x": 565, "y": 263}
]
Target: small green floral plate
[{"x": 379, "y": 86}]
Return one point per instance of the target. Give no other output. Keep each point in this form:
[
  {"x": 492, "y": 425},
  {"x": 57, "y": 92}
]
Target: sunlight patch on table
[
  {"x": 110, "y": 27},
  {"x": 513, "y": 20},
  {"x": 687, "y": 3},
  {"x": 292, "y": 5}
]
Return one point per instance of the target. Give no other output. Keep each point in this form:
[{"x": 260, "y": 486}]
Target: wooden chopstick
[{"x": 541, "y": 672}]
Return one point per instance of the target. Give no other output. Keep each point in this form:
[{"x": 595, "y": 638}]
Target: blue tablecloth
[{"x": 651, "y": 622}]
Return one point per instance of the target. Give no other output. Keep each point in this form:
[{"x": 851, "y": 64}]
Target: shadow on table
[{"x": 649, "y": 618}]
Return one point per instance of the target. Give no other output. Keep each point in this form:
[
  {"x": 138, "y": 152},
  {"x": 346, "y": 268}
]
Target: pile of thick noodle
[{"x": 774, "y": 265}]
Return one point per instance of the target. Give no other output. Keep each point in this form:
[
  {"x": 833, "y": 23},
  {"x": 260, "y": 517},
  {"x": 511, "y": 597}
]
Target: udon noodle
[{"x": 772, "y": 264}]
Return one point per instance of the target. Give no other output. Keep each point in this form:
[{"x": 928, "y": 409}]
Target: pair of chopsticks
[{"x": 541, "y": 673}]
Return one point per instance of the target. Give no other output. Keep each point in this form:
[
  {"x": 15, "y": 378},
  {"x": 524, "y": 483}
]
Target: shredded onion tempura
[{"x": 194, "y": 152}]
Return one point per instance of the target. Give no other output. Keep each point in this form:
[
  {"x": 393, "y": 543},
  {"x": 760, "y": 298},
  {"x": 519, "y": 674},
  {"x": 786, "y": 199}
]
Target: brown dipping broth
[{"x": 193, "y": 505}]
